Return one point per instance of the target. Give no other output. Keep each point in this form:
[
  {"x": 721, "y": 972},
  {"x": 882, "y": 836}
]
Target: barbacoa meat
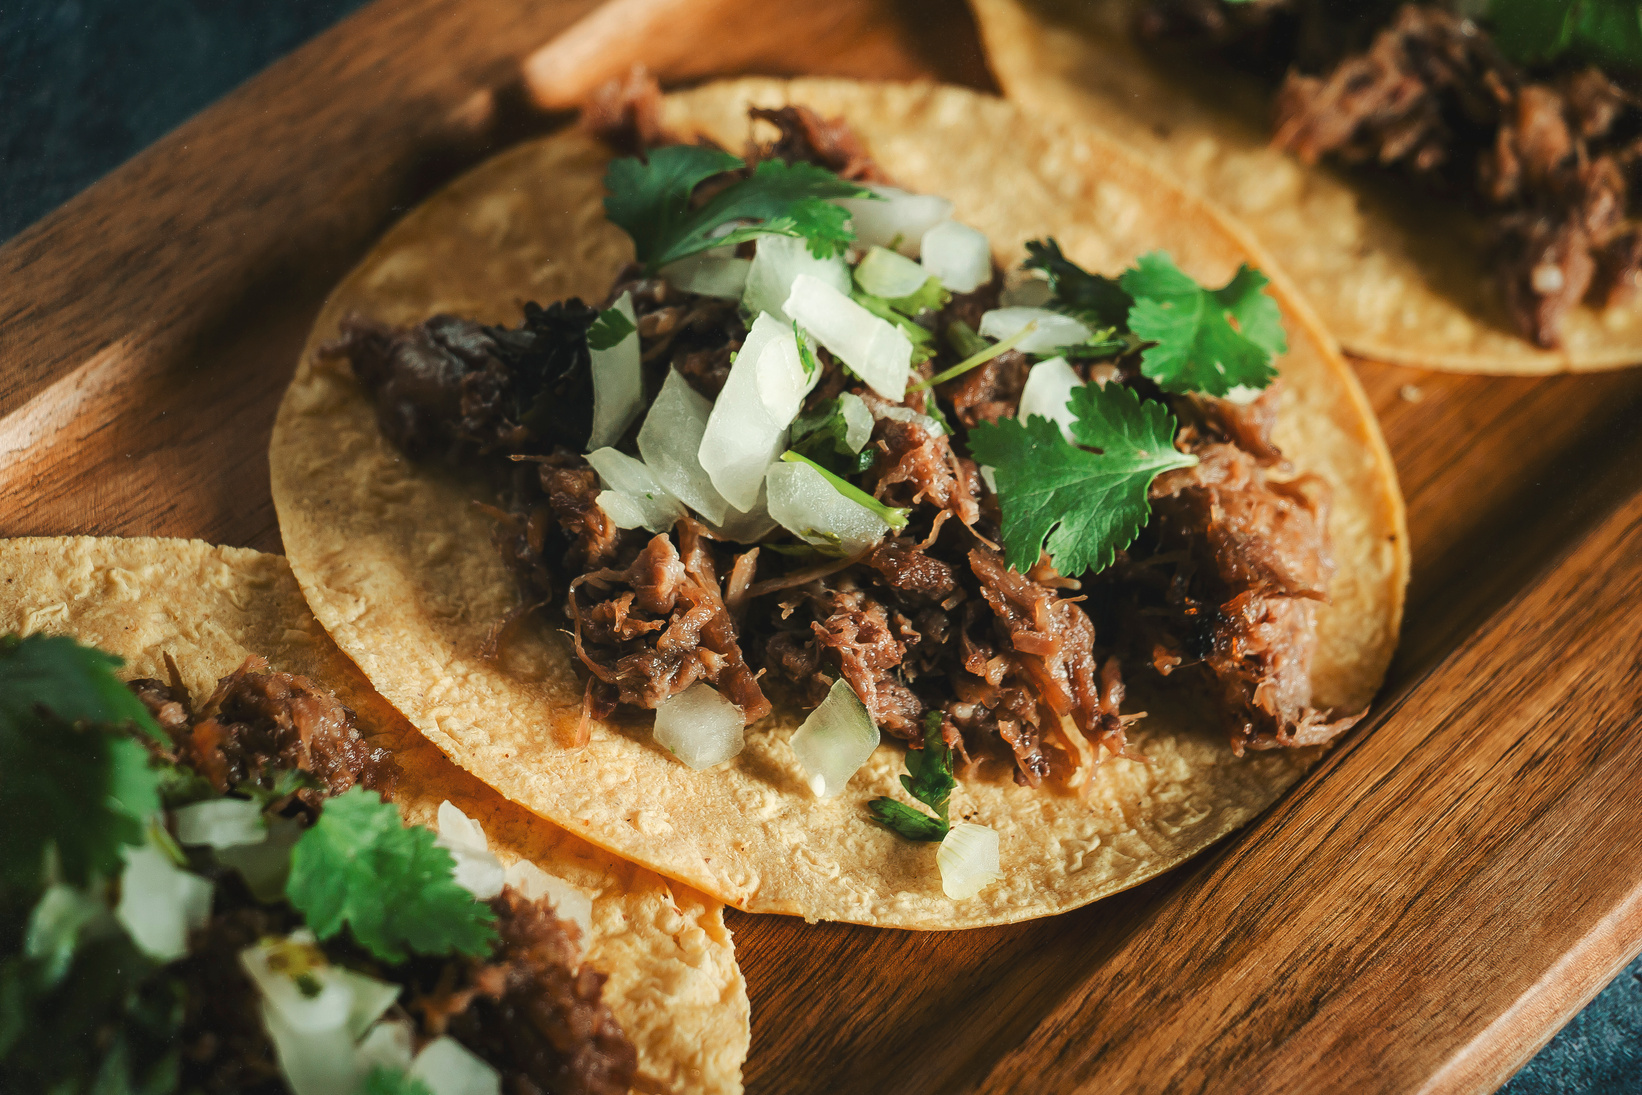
[
  {"x": 1553, "y": 160},
  {"x": 258, "y": 720}
]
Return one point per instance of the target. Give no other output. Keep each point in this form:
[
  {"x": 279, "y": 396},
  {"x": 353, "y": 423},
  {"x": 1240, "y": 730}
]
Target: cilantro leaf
[
  {"x": 66, "y": 780},
  {"x": 929, "y": 779},
  {"x": 931, "y": 296},
  {"x": 1197, "y": 348},
  {"x": 383, "y": 1080},
  {"x": 650, "y": 201},
  {"x": 609, "y": 329},
  {"x": 1087, "y": 504},
  {"x": 391, "y": 885},
  {"x": 1532, "y": 32},
  {"x": 1100, "y": 301},
  {"x": 906, "y": 821}
]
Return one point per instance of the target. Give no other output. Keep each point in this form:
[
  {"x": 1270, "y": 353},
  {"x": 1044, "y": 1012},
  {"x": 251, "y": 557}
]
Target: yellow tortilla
[
  {"x": 1394, "y": 276},
  {"x": 397, "y": 563},
  {"x": 674, "y": 985}
]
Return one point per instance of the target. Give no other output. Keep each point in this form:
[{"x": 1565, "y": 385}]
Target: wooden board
[{"x": 1458, "y": 878}]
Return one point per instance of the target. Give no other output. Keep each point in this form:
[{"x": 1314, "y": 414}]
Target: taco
[
  {"x": 274, "y": 928},
  {"x": 1449, "y": 194},
  {"x": 781, "y": 539}
]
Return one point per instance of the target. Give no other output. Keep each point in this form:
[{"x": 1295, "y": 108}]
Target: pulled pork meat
[
  {"x": 1553, "y": 160},
  {"x": 258, "y": 720}
]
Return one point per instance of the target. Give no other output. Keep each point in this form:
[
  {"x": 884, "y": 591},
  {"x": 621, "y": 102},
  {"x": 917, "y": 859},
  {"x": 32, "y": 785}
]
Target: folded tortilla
[
  {"x": 673, "y": 981},
  {"x": 1395, "y": 275},
  {"x": 398, "y": 565}
]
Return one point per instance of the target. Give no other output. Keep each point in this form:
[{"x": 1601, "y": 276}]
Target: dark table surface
[{"x": 85, "y": 84}]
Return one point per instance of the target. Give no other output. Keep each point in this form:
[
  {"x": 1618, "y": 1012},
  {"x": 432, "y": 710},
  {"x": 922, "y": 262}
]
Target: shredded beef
[
  {"x": 650, "y": 630},
  {"x": 1554, "y": 160},
  {"x": 918, "y": 465},
  {"x": 806, "y": 137},
  {"x": 533, "y": 1009},
  {"x": 258, "y": 720},
  {"x": 691, "y": 333},
  {"x": 625, "y": 114}
]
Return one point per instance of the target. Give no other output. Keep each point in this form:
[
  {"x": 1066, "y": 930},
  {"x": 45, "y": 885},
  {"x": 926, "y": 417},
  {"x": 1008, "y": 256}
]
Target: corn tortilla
[
  {"x": 397, "y": 563},
  {"x": 1396, "y": 276},
  {"x": 674, "y": 985}
]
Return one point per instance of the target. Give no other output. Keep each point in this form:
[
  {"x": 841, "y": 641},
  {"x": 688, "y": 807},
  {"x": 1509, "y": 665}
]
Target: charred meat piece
[{"x": 806, "y": 137}]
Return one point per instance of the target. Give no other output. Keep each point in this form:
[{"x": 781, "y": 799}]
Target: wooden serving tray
[{"x": 1457, "y": 878}]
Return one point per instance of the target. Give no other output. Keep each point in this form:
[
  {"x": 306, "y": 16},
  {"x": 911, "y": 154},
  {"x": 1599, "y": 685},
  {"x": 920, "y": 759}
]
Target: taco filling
[
  {"x": 1508, "y": 115},
  {"x": 211, "y": 895},
  {"x": 812, "y": 435}
]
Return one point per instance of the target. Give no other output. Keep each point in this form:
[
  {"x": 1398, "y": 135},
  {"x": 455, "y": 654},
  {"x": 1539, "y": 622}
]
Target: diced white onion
[
  {"x": 709, "y": 275},
  {"x": 618, "y": 388},
  {"x": 747, "y": 428},
  {"x": 887, "y": 274},
  {"x": 449, "y": 1068},
  {"x": 635, "y": 498},
  {"x": 322, "y": 1002},
  {"x": 778, "y": 261},
  {"x": 907, "y": 414},
  {"x": 700, "y": 727},
  {"x": 478, "y": 871},
  {"x": 968, "y": 859},
  {"x": 857, "y": 420},
  {"x": 316, "y": 1062},
  {"x": 1243, "y": 395},
  {"x": 569, "y": 902},
  {"x": 220, "y": 823},
  {"x": 1026, "y": 293},
  {"x": 896, "y": 218},
  {"x": 989, "y": 476},
  {"x": 812, "y": 509},
  {"x": 959, "y": 255},
  {"x": 1048, "y": 389},
  {"x": 388, "y": 1045},
  {"x": 371, "y": 998},
  {"x": 265, "y": 866},
  {"x": 1054, "y": 330},
  {"x": 669, "y": 441},
  {"x": 835, "y": 740},
  {"x": 746, "y": 527},
  {"x": 875, "y": 349},
  {"x": 160, "y": 903}
]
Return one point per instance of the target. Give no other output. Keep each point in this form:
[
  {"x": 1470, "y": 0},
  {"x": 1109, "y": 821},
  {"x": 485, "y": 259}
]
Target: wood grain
[{"x": 1425, "y": 910}]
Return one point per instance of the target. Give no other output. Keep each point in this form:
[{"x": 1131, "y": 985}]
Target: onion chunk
[
  {"x": 709, "y": 275},
  {"x": 160, "y": 903},
  {"x": 477, "y": 870},
  {"x": 1048, "y": 389},
  {"x": 778, "y": 261},
  {"x": 618, "y": 393},
  {"x": 959, "y": 255},
  {"x": 895, "y": 218},
  {"x": 700, "y": 727},
  {"x": 747, "y": 428},
  {"x": 669, "y": 441},
  {"x": 835, "y": 740},
  {"x": 449, "y": 1068},
  {"x": 968, "y": 859},
  {"x": 890, "y": 275},
  {"x": 811, "y": 508},
  {"x": 635, "y": 498},
  {"x": 1054, "y": 330},
  {"x": 875, "y": 350},
  {"x": 220, "y": 823}
]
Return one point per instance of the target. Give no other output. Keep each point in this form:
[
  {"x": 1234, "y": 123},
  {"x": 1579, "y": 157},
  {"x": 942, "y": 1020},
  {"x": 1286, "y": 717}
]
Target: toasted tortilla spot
[{"x": 749, "y": 831}]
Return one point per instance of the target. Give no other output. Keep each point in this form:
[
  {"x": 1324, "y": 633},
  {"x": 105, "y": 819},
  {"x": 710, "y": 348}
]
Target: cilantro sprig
[
  {"x": 609, "y": 329},
  {"x": 1098, "y": 301},
  {"x": 1086, "y": 504},
  {"x": 929, "y": 779},
  {"x": 391, "y": 885},
  {"x": 68, "y": 779},
  {"x": 1532, "y": 32},
  {"x": 650, "y": 201},
  {"x": 1197, "y": 347}
]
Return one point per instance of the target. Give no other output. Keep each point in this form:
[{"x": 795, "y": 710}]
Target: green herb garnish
[
  {"x": 609, "y": 329},
  {"x": 821, "y": 437},
  {"x": 392, "y": 886},
  {"x": 929, "y": 779},
  {"x": 1098, "y": 301},
  {"x": 1087, "y": 504},
  {"x": 1533, "y": 32},
  {"x": 650, "y": 201},
  {"x": 383, "y": 1080},
  {"x": 1197, "y": 346}
]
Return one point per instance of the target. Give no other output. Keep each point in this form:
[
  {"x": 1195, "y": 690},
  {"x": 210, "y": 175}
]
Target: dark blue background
[{"x": 84, "y": 84}]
